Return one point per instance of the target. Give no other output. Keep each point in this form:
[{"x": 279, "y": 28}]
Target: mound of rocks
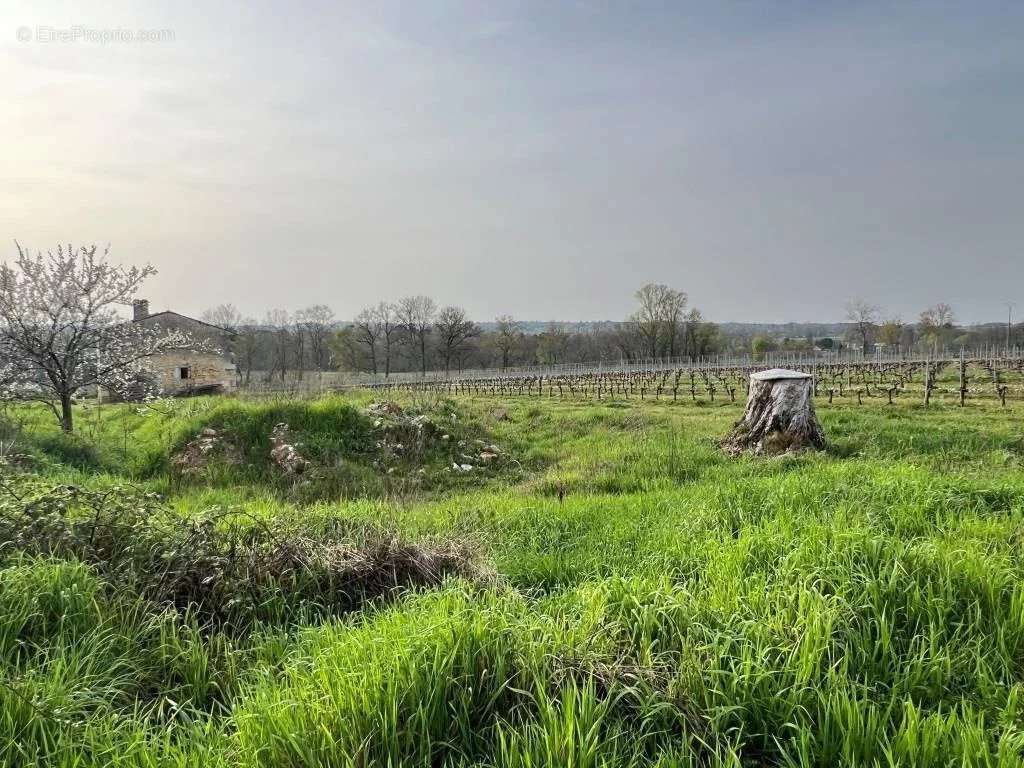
[
  {"x": 406, "y": 436},
  {"x": 284, "y": 452},
  {"x": 384, "y": 408},
  {"x": 400, "y": 435},
  {"x": 197, "y": 454},
  {"x": 476, "y": 454}
]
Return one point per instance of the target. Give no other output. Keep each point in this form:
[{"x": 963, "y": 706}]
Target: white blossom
[{"x": 60, "y": 330}]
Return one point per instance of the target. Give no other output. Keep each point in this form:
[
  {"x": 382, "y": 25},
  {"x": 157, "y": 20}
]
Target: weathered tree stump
[{"x": 779, "y": 416}]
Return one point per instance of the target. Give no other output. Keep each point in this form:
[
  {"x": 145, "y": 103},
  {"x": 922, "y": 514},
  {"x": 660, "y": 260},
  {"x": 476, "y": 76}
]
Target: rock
[
  {"x": 208, "y": 444},
  {"x": 487, "y": 457},
  {"x": 285, "y": 454},
  {"x": 384, "y": 407}
]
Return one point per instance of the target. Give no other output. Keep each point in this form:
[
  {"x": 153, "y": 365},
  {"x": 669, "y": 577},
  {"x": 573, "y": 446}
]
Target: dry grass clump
[{"x": 227, "y": 568}]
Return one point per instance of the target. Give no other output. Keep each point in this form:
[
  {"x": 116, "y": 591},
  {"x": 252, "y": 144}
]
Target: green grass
[{"x": 657, "y": 602}]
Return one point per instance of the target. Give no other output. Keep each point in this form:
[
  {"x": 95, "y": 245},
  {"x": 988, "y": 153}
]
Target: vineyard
[{"x": 959, "y": 379}]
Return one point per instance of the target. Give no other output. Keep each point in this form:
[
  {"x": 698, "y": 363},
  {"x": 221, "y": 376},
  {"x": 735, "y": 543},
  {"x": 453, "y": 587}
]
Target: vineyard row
[{"x": 964, "y": 379}]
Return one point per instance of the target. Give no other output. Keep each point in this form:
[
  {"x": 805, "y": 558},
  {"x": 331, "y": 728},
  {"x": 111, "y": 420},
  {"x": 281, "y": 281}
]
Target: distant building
[{"x": 183, "y": 372}]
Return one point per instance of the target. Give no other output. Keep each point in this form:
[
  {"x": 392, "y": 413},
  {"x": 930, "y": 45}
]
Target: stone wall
[{"x": 184, "y": 372}]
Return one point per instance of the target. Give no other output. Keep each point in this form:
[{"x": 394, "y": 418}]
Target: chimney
[{"x": 140, "y": 309}]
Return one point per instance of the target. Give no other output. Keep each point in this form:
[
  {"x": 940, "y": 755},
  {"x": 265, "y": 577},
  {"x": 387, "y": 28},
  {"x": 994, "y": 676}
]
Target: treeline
[
  {"x": 935, "y": 329},
  {"x": 283, "y": 342},
  {"x": 869, "y": 327},
  {"x": 415, "y": 334}
]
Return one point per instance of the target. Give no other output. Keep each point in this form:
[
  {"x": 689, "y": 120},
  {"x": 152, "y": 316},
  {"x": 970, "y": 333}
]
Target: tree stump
[{"x": 779, "y": 416}]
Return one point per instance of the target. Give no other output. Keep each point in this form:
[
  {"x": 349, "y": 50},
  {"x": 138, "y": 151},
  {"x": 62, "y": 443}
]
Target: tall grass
[{"x": 659, "y": 604}]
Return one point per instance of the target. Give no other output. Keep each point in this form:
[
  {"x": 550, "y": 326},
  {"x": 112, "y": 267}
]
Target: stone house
[{"x": 183, "y": 372}]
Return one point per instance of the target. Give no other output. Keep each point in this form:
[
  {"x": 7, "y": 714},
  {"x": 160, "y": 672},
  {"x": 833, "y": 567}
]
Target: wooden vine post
[
  {"x": 927, "y": 381},
  {"x": 963, "y": 379},
  {"x": 779, "y": 416}
]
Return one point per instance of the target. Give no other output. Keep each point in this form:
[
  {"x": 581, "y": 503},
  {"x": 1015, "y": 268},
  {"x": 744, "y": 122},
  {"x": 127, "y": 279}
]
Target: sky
[{"x": 542, "y": 159}]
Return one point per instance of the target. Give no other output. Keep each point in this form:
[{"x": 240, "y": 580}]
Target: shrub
[{"x": 227, "y": 568}]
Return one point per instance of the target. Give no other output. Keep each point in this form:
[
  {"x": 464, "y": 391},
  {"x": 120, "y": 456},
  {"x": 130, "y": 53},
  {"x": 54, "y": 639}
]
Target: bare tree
[
  {"x": 297, "y": 335},
  {"x": 551, "y": 344},
  {"x": 700, "y": 338},
  {"x": 507, "y": 337},
  {"x": 278, "y": 322},
  {"x": 229, "y": 320},
  {"x": 386, "y": 316},
  {"x": 657, "y": 319},
  {"x": 366, "y": 332},
  {"x": 647, "y": 319},
  {"x": 863, "y": 317},
  {"x": 672, "y": 316},
  {"x": 938, "y": 316},
  {"x": 316, "y": 322},
  {"x": 453, "y": 329},
  {"x": 246, "y": 347},
  {"x": 416, "y": 314},
  {"x": 625, "y": 340},
  {"x": 224, "y": 316},
  {"x": 60, "y": 330}
]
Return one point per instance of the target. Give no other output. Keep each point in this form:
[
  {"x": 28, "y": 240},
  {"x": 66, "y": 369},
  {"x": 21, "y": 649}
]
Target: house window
[{"x": 184, "y": 372}]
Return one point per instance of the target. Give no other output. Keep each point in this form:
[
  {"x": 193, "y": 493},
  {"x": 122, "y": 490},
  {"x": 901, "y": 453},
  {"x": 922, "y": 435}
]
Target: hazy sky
[{"x": 545, "y": 159}]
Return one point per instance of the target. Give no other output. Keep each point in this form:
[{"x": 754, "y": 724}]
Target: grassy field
[{"x": 610, "y": 589}]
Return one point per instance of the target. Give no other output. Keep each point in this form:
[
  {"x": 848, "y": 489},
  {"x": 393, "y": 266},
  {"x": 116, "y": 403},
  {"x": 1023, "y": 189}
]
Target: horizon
[{"x": 340, "y": 320}]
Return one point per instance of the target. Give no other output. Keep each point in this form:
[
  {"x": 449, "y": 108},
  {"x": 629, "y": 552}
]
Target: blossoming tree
[{"x": 60, "y": 331}]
